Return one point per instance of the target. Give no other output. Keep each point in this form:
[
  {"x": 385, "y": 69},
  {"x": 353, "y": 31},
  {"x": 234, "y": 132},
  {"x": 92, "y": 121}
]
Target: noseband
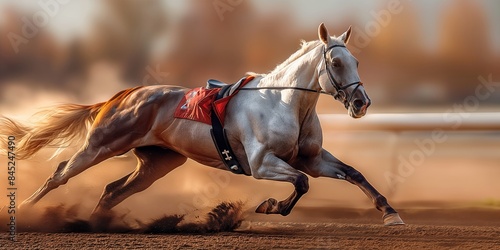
[{"x": 340, "y": 93}]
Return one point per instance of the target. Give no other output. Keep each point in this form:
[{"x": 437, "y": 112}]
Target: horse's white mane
[{"x": 305, "y": 47}]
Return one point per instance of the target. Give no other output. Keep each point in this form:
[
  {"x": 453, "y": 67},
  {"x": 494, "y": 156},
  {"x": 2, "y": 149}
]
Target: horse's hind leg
[
  {"x": 153, "y": 163},
  {"x": 82, "y": 160},
  {"x": 102, "y": 143}
]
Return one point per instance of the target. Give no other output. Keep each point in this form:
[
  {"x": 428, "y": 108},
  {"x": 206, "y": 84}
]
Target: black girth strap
[{"x": 220, "y": 139}]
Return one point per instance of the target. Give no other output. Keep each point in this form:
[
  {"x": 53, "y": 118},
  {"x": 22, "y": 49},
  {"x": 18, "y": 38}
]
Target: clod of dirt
[
  {"x": 225, "y": 217},
  {"x": 166, "y": 224}
]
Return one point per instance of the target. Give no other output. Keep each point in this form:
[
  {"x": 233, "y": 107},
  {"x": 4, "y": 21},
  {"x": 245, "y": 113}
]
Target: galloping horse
[{"x": 272, "y": 128}]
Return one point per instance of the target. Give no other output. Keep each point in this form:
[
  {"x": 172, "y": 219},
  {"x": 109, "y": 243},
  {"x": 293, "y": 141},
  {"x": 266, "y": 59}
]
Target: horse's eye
[{"x": 336, "y": 63}]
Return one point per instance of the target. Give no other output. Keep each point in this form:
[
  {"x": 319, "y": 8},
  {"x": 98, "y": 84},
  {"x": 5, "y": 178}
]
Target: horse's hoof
[
  {"x": 269, "y": 206},
  {"x": 393, "y": 220}
]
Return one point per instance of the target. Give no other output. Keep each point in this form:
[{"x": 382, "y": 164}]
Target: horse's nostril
[{"x": 358, "y": 104}]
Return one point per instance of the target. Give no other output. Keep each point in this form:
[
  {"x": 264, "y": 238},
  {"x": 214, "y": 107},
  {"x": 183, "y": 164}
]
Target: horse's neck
[{"x": 301, "y": 73}]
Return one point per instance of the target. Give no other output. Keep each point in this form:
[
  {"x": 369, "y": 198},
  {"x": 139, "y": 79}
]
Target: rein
[
  {"x": 340, "y": 90},
  {"x": 281, "y": 88}
]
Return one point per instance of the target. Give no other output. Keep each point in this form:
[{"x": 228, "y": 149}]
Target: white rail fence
[
  {"x": 399, "y": 124},
  {"x": 414, "y": 122}
]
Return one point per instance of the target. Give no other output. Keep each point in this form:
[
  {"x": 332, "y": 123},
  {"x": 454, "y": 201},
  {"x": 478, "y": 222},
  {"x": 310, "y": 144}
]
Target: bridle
[{"x": 340, "y": 93}]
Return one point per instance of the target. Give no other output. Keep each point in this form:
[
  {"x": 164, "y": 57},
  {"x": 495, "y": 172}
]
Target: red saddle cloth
[{"x": 199, "y": 103}]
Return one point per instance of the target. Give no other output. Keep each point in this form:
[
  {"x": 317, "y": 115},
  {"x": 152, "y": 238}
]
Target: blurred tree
[
  {"x": 394, "y": 59},
  {"x": 390, "y": 44},
  {"x": 125, "y": 34},
  {"x": 9, "y": 61},
  {"x": 464, "y": 33},
  {"x": 465, "y": 49},
  {"x": 36, "y": 57},
  {"x": 208, "y": 46}
]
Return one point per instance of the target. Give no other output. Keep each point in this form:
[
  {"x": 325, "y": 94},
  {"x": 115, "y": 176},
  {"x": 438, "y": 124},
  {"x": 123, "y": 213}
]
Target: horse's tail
[{"x": 52, "y": 127}]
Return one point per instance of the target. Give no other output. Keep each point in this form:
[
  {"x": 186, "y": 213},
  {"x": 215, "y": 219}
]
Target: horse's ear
[
  {"x": 323, "y": 34},
  {"x": 345, "y": 37}
]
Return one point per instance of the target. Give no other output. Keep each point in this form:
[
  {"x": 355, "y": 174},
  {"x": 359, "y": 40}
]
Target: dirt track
[{"x": 428, "y": 229}]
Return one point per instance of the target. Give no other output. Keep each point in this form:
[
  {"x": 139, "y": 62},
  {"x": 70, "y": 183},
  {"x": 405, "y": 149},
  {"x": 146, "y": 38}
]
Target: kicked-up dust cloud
[{"x": 224, "y": 217}]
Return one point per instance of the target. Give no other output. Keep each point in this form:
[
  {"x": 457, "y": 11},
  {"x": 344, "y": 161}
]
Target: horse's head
[{"x": 339, "y": 73}]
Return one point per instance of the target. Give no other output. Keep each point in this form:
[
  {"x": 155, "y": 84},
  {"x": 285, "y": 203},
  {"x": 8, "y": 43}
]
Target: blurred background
[
  {"x": 420, "y": 54},
  {"x": 415, "y": 57}
]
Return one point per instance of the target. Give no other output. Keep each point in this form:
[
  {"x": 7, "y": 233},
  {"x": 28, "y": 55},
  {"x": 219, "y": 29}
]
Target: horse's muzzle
[{"x": 358, "y": 107}]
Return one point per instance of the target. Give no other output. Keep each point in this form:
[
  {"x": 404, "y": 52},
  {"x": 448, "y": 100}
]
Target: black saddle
[
  {"x": 226, "y": 88},
  {"x": 213, "y": 84}
]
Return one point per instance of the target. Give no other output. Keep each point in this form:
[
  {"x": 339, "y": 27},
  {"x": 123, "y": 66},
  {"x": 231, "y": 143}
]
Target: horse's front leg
[
  {"x": 271, "y": 167},
  {"x": 329, "y": 166}
]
